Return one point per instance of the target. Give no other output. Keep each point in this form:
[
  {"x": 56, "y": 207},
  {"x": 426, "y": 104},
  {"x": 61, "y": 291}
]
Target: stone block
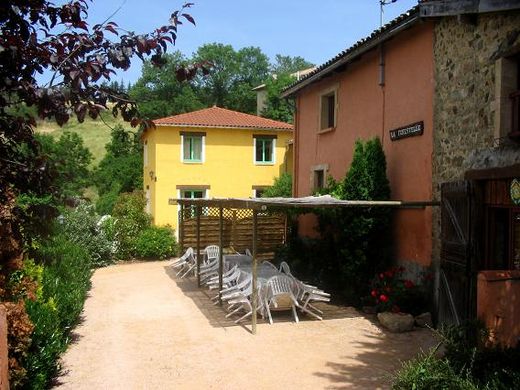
[
  {"x": 396, "y": 322},
  {"x": 424, "y": 320}
]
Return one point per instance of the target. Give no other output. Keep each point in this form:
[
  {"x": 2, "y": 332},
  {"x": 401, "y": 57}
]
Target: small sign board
[{"x": 412, "y": 130}]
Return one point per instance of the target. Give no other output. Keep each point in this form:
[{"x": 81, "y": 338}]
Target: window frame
[
  {"x": 258, "y": 189},
  {"x": 324, "y": 127},
  {"x": 185, "y": 135},
  {"x": 323, "y": 168},
  {"x": 263, "y": 139}
]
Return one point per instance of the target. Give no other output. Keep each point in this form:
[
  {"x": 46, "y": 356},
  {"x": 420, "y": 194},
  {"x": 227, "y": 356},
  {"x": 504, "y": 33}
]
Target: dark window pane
[
  {"x": 259, "y": 150},
  {"x": 268, "y": 150},
  {"x": 331, "y": 105}
]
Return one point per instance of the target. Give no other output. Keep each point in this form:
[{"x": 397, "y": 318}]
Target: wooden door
[{"x": 457, "y": 297}]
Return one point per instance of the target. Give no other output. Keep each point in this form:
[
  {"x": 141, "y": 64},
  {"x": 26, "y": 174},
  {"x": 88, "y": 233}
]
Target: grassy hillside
[{"x": 95, "y": 133}]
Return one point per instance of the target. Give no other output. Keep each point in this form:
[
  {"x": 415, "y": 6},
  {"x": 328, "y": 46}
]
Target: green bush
[
  {"x": 489, "y": 365},
  {"x": 427, "y": 372},
  {"x": 389, "y": 291},
  {"x": 66, "y": 277},
  {"x": 55, "y": 311},
  {"x": 355, "y": 243},
  {"x": 131, "y": 220},
  {"x": 106, "y": 202},
  {"x": 47, "y": 343},
  {"x": 83, "y": 226},
  {"x": 122, "y": 165},
  {"x": 282, "y": 187},
  {"x": 156, "y": 243},
  {"x": 468, "y": 363}
]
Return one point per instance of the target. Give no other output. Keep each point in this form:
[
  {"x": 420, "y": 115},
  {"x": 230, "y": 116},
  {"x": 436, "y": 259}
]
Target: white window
[
  {"x": 264, "y": 150},
  {"x": 258, "y": 191},
  {"x": 192, "y": 147}
]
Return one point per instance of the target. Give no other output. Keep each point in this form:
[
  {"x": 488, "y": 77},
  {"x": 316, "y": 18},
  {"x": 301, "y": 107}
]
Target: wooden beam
[
  {"x": 493, "y": 173},
  {"x": 198, "y": 244},
  {"x": 181, "y": 228},
  {"x": 254, "y": 296},
  {"x": 221, "y": 250}
]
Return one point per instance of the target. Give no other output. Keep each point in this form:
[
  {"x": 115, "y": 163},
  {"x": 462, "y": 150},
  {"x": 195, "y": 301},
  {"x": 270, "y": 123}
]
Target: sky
[{"x": 316, "y": 30}]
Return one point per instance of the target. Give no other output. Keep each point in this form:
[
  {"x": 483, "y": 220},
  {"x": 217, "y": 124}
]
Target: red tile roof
[{"x": 221, "y": 117}]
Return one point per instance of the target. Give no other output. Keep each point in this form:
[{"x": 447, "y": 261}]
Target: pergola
[{"x": 276, "y": 204}]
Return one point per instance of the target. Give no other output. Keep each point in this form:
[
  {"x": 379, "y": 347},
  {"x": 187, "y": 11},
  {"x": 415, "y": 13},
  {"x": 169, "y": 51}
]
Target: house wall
[
  {"x": 149, "y": 169},
  {"x": 465, "y": 104},
  {"x": 228, "y": 168},
  {"x": 367, "y": 110}
]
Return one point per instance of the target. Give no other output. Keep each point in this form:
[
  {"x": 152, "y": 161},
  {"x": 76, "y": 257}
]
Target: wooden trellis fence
[{"x": 237, "y": 229}]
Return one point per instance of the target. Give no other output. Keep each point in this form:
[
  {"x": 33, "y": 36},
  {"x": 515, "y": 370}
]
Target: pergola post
[
  {"x": 254, "y": 292},
  {"x": 181, "y": 228},
  {"x": 220, "y": 255},
  {"x": 198, "y": 243}
]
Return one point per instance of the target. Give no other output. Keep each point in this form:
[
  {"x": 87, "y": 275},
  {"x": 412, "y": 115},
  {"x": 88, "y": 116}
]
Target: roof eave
[
  {"x": 224, "y": 127},
  {"x": 407, "y": 23}
]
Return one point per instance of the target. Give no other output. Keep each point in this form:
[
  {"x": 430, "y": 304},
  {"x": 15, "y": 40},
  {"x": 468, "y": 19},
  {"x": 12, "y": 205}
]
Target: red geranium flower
[
  {"x": 383, "y": 298},
  {"x": 373, "y": 293},
  {"x": 381, "y": 276},
  {"x": 408, "y": 284}
]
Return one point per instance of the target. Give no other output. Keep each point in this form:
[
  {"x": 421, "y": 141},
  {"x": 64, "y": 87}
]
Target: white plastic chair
[
  {"x": 242, "y": 301},
  {"x": 306, "y": 295},
  {"x": 182, "y": 261},
  {"x": 280, "y": 291},
  {"x": 186, "y": 263},
  {"x": 191, "y": 266},
  {"x": 211, "y": 252}
]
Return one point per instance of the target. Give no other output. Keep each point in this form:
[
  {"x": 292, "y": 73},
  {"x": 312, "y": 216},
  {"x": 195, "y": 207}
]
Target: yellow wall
[{"x": 228, "y": 166}]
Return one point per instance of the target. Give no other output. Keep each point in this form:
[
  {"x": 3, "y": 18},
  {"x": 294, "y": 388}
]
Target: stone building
[
  {"x": 452, "y": 66},
  {"x": 476, "y": 148}
]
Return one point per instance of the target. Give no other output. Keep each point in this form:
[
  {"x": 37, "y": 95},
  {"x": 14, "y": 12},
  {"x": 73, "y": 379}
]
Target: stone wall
[{"x": 465, "y": 53}]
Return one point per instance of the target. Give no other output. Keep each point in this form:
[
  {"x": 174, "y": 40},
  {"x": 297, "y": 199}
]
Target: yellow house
[{"x": 211, "y": 153}]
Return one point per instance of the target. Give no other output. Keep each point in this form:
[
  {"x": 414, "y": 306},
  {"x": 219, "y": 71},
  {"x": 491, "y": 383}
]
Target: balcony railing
[{"x": 515, "y": 116}]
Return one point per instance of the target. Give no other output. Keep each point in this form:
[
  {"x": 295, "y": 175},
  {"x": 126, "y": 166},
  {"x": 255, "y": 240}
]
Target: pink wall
[
  {"x": 498, "y": 296},
  {"x": 367, "y": 110}
]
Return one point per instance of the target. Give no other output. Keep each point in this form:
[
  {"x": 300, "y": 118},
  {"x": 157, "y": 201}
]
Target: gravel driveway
[{"x": 145, "y": 329}]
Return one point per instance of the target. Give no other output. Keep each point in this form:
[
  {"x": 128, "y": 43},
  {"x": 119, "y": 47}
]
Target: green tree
[
  {"x": 276, "y": 107},
  {"x": 283, "y": 74},
  {"x": 360, "y": 244},
  {"x": 160, "y": 94},
  {"x": 70, "y": 160},
  {"x": 121, "y": 170},
  {"x": 232, "y": 76},
  {"x": 287, "y": 64}
]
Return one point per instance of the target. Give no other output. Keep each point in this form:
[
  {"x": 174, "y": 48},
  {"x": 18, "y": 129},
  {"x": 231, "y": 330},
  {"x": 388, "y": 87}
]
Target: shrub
[
  {"x": 122, "y": 165},
  {"x": 467, "y": 364},
  {"x": 106, "y": 202},
  {"x": 390, "y": 292},
  {"x": 131, "y": 220},
  {"x": 65, "y": 281},
  {"x": 494, "y": 366},
  {"x": 427, "y": 372},
  {"x": 282, "y": 187},
  {"x": 355, "y": 242},
  {"x": 66, "y": 277},
  {"x": 156, "y": 242},
  {"x": 82, "y": 226}
]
